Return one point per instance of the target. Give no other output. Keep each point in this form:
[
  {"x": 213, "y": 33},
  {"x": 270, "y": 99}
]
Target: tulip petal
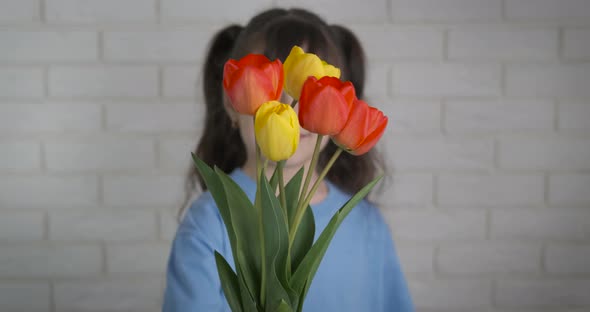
[
  {"x": 299, "y": 66},
  {"x": 363, "y": 129},
  {"x": 372, "y": 138},
  {"x": 326, "y": 113},
  {"x": 277, "y": 130},
  {"x": 274, "y": 72},
  {"x": 251, "y": 81},
  {"x": 249, "y": 89}
]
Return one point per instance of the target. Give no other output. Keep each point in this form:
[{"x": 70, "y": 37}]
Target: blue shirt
[{"x": 360, "y": 270}]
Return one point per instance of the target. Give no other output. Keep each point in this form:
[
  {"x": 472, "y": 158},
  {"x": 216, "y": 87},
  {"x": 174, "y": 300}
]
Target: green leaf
[
  {"x": 229, "y": 283},
  {"x": 274, "y": 179},
  {"x": 303, "y": 239},
  {"x": 308, "y": 267},
  {"x": 216, "y": 189},
  {"x": 248, "y": 299},
  {"x": 276, "y": 242},
  {"x": 302, "y": 296},
  {"x": 246, "y": 225},
  {"x": 284, "y": 307},
  {"x": 292, "y": 193}
]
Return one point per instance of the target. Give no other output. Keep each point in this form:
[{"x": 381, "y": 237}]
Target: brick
[
  {"x": 411, "y": 116},
  {"x": 444, "y": 154},
  {"x": 512, "y": 258},
  {"x": 21, "y": 226},
  {"x": 540, "y": 224},
  {"x": 24, "y": 82},
  {"x": 37, "y": 296},
  {"x": 19, "y": 11},
  {"x": 506, "y": 115},
  {"x": 414, "y": 190},
  {"x": 348, "y": 10},
  {"x": 107, "y": 226},
  {"x": 168, "y": 224},
  {"x": 542, "y": 293},
  {"x": 21, "y": 118},
  {"x": 545, "y": 154},
  {"x": 217, "y": 11},
  {"x": 567, "y": 258},
  {"x": 41, "y": 261},
  {"x": 574, "y": 115},
  {"x": 183, "y": 81},
  {"x": 100, "y": 155},
  {"x": 95, "y": 11},
  {"x": 442, "y": 295},
  {"x": 142, "y": 294},
  {"x": 20, "y": 156},
  {"x": 400, "y": 43},
  {"x": 502, "y": 43},
  {"x": 568, "y": 80},
  {"x": 48, "y": 46},
  {"x": 156, "y": 46},
  {"x": 576, "y": 43},
  {"x": 108, "y": 81},
  {"x": 176, "y": 153},
  {"x": 159, "y": 191},
  {"x": 569, "y": 189},
  {"x": 154, "y": 117},
  {"x": 490, "y": 190},
  {"x": 137, "y": 258},
  {"x": 377, "y": 81},
  {"x": 49, "y": 192},
  {"x": 446, "y": 10},
  {"x": 416, "y": 259},
  {"x": 547, "y": 9},
  {"x": 435, "y": 226},
  {"x": 439, "y": 79}
]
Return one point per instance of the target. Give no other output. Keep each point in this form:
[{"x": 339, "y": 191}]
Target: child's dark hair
[{"x": 273, "y": 33}]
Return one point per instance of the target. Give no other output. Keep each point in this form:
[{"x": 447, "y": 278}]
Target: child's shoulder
[
  {"x": 368, "y": 209},
  {"x": 201, "y": 212}
]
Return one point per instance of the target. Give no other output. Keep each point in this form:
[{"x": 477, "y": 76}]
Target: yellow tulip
[
  {"x": 276, "y": 127},
  {"x": 300, "y": 65}
]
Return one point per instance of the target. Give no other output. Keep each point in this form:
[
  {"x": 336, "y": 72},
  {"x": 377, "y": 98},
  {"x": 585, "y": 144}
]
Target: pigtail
[
  {"x": 220, "y": 144},
  {"x": 354, "y": 57}
]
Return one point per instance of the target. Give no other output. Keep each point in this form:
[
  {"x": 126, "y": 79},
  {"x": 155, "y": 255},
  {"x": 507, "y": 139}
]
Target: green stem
[
  {"x": 283, "y": 199},
  {"x": 293, "y": 103},
  {"x": 258, "y": 205},
  {"x": 300, "y": 211},
  {"x": 310, "y": 170},
  {"x": 282, "y": 195},
  {"x": 323, "y": 174}
]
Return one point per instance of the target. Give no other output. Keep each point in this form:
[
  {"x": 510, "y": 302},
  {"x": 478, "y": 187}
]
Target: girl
[{"x": 360, "y": 270}]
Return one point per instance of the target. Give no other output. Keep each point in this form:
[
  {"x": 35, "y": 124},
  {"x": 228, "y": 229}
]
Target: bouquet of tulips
[{"x": 272, "y": 239}]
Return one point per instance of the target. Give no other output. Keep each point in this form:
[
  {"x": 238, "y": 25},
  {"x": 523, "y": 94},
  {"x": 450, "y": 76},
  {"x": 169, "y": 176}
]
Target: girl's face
[{"x": 304, "y": 151}]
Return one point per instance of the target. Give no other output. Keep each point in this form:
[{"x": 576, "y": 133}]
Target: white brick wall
[
  {"x": 94, "y": 11},
  {"x": 19, "y": 11},
  {"x": 488, "y": 144},
  {"x": 37, "y": 294}
]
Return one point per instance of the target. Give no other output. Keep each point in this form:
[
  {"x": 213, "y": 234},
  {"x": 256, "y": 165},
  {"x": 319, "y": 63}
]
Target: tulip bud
[
  {"x": 325, "y": 104},
  {"x": 277, "y": 130},
  {"x": 252, "y": 81},
  {"x": 364, "y": 128},
  {"x": 300, "y": 65}
]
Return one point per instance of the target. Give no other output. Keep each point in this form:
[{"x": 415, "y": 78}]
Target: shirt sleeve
[
  {"x": 192, "y": 281},
  {"x": 396, "y": 293}
]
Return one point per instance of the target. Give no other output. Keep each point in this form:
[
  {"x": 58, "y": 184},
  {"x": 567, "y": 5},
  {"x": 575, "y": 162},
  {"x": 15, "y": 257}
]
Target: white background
[{"x": 489, "y": 142}]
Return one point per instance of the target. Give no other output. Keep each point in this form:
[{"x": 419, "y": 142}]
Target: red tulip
[
  {"x": 325, "y": 104},
  {"x": 252, "y": 81},
  {"x": 362, "y": 130}
]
